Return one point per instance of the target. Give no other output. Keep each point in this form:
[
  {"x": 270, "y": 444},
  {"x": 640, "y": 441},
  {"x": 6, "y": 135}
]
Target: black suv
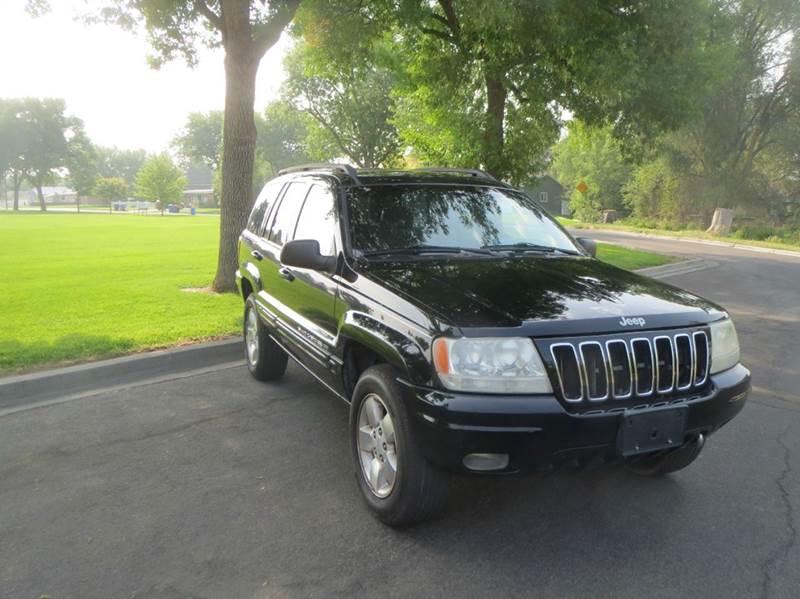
[{"x": 468, "y": 331}]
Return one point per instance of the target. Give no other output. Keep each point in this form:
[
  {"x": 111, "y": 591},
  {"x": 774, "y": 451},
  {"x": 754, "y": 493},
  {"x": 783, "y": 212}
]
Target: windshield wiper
[
  {"x": 427, "y": 249},
  {"x": 526, "y": 246}
]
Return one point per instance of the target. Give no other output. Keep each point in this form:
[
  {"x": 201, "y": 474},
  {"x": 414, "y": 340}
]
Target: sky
[{"x": 102, "y": 73}]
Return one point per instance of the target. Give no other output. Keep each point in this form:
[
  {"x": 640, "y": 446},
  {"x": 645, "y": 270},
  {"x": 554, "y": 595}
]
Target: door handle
[
  {"x": 286, "y": 274},
  {"x": 257, "y": 255}
]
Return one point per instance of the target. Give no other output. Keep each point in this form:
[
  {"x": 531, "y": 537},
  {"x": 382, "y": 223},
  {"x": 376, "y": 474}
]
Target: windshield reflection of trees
[{"x": 392, "y": 217}]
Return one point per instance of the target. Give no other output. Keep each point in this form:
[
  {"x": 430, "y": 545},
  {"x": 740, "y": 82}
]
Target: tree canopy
[
  {"x": 591, "y": 155},
  {"x": 111, "y": 189},
  {"x": 160, "y": 180},
  {"x": 351, "y": 105},
  {"x": 200, "y": 141},
  {"x": 488, "y": 83}
]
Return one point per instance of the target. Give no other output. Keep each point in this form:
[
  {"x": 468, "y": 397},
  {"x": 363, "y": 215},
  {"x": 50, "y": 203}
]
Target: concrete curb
[
  {"x": 738, "y": 246},
  {"x": 54, "y": 384},
  {"x": 676, "y": 268}
]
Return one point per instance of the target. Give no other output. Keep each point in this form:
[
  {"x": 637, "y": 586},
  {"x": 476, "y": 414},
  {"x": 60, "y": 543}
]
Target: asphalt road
[{"x": 219, "y": 486}]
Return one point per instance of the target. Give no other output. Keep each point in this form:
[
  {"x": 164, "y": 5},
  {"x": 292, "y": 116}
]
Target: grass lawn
[
  {"x": 79, "y": 286},
  {"x": 628, "y": 258},
  {"x": 687, "y": 233}
]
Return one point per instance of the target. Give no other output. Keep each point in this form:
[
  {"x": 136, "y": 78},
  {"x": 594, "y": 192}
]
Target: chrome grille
[{"x": 628, "y": 366}]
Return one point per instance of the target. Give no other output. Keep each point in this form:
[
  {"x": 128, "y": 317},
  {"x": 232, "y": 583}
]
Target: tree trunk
[
  {"x": 17, "y": 180},
  {"x": 40, "y": 195},
  {"x": 493, "y": 136},
  {"x": 238, "y": 154}
]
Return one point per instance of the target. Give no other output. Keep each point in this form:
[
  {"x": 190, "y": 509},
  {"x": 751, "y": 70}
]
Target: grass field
[
  {"x": 628, "y": 258},
  {"x": 79, "y": 286}
]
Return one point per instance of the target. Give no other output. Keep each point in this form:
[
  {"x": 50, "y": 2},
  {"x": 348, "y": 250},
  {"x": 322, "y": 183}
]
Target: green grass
[
  {"x": 685, "y": 233},
  {"x": 628, "y": 258},
  {"x": 76, "y": 287},
  {"x": 80, "y": 286}
]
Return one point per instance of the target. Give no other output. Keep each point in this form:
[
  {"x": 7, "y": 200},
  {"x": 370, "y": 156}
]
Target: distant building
[
  {"x": 199, "y": 198},
  {"x": 199, "y": 190},
  {"x": 550, "y": 194},
  {"x": 52, "y": 195}
]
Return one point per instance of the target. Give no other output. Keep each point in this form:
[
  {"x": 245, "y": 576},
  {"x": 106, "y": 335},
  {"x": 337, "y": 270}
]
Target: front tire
[
  {"x": 398, "y": 484},
  {"x": 265, "y": 359}
]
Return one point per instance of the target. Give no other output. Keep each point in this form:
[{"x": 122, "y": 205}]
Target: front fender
[
  {"x": 250, "y": 272},
  {"x": 405, "y": 350}
]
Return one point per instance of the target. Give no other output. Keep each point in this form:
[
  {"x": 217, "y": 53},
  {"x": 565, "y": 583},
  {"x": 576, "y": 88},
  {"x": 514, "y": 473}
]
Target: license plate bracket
[{"x": 644, "y": 431}]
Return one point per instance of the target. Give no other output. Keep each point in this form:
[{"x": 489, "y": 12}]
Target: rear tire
[
  {"x": 398, "y": 484},
  {"x": 673, "y": 461},
  {"x": 265, "y": 359}
]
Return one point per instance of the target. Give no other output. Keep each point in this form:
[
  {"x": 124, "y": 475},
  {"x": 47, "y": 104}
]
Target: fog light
[{"x": 486, "y": 461}]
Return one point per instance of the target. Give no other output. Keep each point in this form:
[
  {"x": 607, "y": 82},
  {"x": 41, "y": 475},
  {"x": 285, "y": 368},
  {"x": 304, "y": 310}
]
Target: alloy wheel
[
  {"x": 251, "y": 337},
  {"x": 377, "y": 448}
]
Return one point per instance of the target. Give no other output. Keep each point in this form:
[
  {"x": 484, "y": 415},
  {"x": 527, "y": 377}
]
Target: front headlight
[
  {"x": 724, "y": 346},
  {"x": 491, "y": 364}
]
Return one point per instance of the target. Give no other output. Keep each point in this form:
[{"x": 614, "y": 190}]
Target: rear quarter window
[
  {"x": 262, "y": 205},
  {"x": 287, "y": 212}
]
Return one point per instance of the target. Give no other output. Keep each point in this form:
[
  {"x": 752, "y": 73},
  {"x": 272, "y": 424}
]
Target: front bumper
[{"x": 538, "y": 433}]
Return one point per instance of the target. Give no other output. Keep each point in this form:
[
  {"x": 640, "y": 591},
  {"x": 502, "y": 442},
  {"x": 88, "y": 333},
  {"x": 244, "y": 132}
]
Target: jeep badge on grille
[{"x": 639, "y": 321}]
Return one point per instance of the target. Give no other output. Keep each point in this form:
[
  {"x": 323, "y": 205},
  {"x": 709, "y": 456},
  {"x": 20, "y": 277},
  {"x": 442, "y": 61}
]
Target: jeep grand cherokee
[{"x": 468, "y": 331}]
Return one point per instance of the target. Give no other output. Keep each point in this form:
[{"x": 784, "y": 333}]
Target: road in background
[{"x": 219, "y": 486}]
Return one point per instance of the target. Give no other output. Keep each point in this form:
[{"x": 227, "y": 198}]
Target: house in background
[
  {"x": 52, "y": 196},
  {"x": 199, "y": 190},
  {"x": 550, "y": 194}
]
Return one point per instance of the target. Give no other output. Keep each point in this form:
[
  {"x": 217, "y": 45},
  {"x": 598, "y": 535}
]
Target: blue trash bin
[{"x": 194, "y": 210}]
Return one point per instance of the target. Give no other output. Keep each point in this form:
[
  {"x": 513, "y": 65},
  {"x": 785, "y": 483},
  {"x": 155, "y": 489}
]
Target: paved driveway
[{"x": 218, "y": 486}]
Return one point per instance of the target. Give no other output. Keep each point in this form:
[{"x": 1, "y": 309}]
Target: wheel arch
[{"x": 366, "y": 341}]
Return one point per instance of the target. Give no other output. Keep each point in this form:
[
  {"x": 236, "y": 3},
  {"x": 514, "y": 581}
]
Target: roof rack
[
  {"x": 463, "y": 171},
  {"x": 321, "y": 166}
]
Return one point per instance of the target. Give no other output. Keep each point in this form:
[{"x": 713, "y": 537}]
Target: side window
[
  {"x": 286, "y": 214},
  {"x": 543, "y": 197},
  {"x": 261, "y": 206},
  {"x": 318, "y": 219}
]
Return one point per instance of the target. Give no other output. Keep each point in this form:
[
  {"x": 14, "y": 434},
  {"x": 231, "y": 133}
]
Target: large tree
[
  {"x": 113, "y": 189},
  {"x": 246, "y": 29},
  {"x": 750, "y": 103},
  {"x": 740, "y": 150},
  {"x": 591, "y": 155},
  {"x": 47, "y": 134},
  {"x": 160, "y": 181},
  {"x": 115, "y": 162},
  {"x": 10, "y": 145},
  {"x": 81, "y": 161},
  {"x": 351, "y": 104},
  {"x": 487, "y": 83},
  {"x": 200, "y": 141},
  {"x": 283, "y": 132}
]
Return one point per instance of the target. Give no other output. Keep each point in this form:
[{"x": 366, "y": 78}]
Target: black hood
[{"x": 550, "y": 295}]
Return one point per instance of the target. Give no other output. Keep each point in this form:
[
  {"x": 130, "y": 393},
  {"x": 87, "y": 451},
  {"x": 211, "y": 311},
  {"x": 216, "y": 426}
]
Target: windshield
[{"x": 397, "y": 217}]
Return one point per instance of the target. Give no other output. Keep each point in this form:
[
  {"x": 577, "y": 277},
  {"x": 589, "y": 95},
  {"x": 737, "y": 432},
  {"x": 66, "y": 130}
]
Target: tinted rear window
[
  {"x": 286, "y": 215},
  {"x": 261, "y": 207}
]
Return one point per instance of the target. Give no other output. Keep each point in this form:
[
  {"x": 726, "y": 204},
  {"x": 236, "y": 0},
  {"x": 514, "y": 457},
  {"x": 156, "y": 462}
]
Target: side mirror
[
  {"x": 304, "y": 253},
  {"x": 590, "y": 245}
]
